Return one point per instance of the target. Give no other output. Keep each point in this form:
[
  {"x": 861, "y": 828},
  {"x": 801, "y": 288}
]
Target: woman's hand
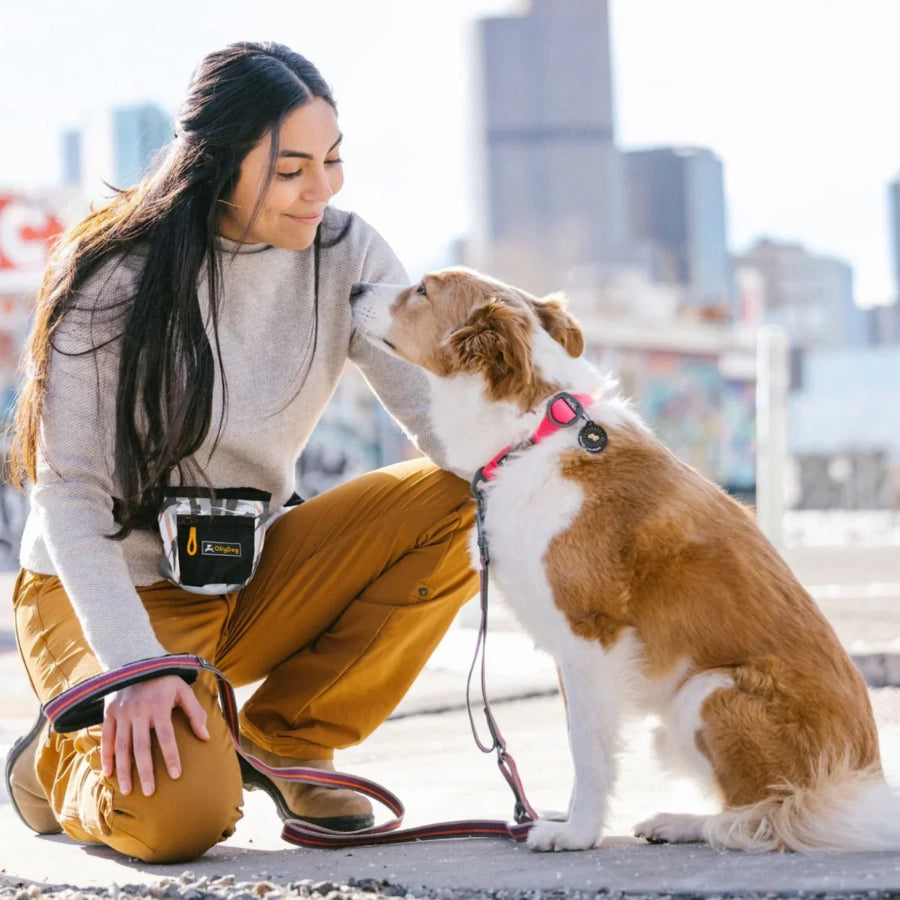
[{"x": 132, "y": 714}]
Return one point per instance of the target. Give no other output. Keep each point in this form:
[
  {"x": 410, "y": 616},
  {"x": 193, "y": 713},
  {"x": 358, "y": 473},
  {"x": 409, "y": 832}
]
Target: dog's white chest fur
[{"x": 527, "y": 506}]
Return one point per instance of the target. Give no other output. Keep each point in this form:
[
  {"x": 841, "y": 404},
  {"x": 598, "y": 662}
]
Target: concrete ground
[{"x": 426, "y": 755}]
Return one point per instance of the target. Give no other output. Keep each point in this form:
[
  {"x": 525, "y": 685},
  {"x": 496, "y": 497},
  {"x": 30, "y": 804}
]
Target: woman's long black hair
[{"x": 167, "y": 366}]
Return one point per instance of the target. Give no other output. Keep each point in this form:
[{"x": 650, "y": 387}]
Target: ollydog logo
[{"x": 218, "y": 548}]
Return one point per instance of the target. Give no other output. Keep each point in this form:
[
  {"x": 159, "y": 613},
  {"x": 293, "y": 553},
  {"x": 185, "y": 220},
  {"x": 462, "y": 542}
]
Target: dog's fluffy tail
[{"x": 845, "y": 809}]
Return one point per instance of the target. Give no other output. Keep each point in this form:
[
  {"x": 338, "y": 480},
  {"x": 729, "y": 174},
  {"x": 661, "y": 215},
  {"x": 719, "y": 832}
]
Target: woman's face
[{"x": 308, "y": 173}]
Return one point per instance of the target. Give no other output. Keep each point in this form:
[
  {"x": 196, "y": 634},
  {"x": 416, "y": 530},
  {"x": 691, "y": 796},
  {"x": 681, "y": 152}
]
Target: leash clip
[
  {"x": 478, "y": 494},
  {"x": 475, "y": 486},
  {"x": 522, "y": 810}
]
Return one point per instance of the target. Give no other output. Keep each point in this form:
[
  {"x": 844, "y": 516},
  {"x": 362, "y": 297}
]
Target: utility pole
[{"x": 771, "y": 430}]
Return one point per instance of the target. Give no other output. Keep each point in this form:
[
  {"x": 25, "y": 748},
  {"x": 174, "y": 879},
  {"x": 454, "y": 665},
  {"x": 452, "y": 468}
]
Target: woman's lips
[{"x": 306, "y": 220}]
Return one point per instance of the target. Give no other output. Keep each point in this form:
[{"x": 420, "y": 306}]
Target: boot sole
[
  {"x": 17, "y": 749},
  {"x": 254, "y": 780}
]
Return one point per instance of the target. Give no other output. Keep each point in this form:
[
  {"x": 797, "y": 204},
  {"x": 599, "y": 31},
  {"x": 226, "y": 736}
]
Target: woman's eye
[
  {"x": 421, "y": 289},
  {"x": 333, "y": 162},
  {"x": 287, "y": 176}
]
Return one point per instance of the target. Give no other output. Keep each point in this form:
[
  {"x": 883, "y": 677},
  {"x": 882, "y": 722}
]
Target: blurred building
[
  {"x": 114, "y": 147},
  {"x": 843, "y": 431},
  {"x": 355, "y": 435},
  {"x": 138, "y": 133},
  {"x": 554, "y": 187},
  {"x": 808, "y": 295},
  {"x": 894, "y": 216},
  {"x": 70, "y": 157},
  {"x": 633, "y": 237},
  {"x": 638, "y": 240},
  {"x": 884, "y": 324},
  {"x": 29, "y": 222},
  {"x": 676, "y": 215},
  {"x": 694, "y": 382}
]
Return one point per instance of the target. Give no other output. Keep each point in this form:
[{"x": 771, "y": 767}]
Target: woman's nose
[{"x": 319, "y": 187}]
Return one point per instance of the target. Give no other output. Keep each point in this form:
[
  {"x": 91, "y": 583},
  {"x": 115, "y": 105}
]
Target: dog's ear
[
  {"x": 562, "y": 327},
  {"x": 495, "y": 341}
]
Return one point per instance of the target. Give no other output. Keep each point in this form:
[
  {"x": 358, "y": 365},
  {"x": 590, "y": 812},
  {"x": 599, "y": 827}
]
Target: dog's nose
[{"x": 358, "y": 288}]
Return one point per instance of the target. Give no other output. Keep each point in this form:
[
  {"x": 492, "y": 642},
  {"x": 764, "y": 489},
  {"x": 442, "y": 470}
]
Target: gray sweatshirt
[{"x": 276, "y": 394}]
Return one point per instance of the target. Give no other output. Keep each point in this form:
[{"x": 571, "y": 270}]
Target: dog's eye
[{"x": 421, "y": 289}]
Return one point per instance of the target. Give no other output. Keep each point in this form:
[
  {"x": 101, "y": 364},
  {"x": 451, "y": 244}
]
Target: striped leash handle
[{"x": 82, "y": 706}]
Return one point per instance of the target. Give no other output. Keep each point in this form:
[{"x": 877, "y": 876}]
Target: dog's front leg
[{"x": 592, "y": 681}]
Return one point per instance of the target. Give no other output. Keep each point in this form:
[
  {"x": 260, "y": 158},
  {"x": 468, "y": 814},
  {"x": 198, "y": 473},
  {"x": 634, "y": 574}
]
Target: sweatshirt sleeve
[
  {"x": 72, "y": 497},
  {"x": 401, "y": 387}
]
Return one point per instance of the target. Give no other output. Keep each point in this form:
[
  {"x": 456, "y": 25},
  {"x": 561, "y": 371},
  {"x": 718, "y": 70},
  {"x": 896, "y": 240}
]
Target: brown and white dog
[{"x": 646, "y": 582}]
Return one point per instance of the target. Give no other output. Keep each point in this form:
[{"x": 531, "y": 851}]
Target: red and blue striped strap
[{"x": 78, "y": 706}]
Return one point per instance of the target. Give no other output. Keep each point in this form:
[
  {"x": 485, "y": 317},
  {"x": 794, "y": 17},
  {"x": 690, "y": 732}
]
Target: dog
[{"x": 646, "y": 582}]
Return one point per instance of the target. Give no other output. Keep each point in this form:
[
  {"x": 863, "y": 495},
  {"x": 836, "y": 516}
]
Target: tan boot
[
  {"x": 337, "y": 808},
  {"x": 25, "y": 793}
]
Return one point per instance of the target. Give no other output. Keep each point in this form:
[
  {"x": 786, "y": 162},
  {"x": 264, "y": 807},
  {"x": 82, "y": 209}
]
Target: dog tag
[{"x": 592, "y": 437}]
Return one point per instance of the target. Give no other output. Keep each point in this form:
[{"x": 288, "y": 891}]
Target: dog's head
[{"x": 456, "y": 321}]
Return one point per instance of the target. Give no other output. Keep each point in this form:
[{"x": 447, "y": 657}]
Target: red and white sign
[{"x": 27, "y": 230}]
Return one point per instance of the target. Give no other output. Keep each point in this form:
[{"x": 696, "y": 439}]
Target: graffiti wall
[{"x": 706, "y": 419}]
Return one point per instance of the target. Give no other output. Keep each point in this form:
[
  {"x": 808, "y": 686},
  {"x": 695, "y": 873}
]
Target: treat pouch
[{"x": 212, "y": 538}]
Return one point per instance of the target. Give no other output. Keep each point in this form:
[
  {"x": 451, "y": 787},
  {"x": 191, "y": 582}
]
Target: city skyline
[
  {"x": 556, "y": 193},
  {"x": 793, "y": 98}
]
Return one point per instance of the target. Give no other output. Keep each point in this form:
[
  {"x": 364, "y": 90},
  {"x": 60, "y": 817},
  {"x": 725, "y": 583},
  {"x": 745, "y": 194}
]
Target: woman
[{"x": 188, "y": 336}]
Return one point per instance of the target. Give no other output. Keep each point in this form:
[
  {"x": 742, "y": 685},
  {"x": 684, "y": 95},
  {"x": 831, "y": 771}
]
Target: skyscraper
[
  {"x": 114, "y": 147},
  {"x": 810, "y": 296},
  {"x": 676, "y": 218},
  {"x": 70, "y": 151},
  {"x": 138, "y": 132},
  {"x": 554, "y": 191},
  {"x": 884, "y": 324},
  {"x": 894, "y": 214}
]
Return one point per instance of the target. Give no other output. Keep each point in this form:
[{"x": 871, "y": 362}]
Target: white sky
[{"x": 798, "y": 97}]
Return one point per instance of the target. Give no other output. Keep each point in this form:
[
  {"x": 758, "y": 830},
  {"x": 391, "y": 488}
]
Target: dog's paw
[
  {"x": 671, "y": 828},
  {"x": 548, "y": 835}
]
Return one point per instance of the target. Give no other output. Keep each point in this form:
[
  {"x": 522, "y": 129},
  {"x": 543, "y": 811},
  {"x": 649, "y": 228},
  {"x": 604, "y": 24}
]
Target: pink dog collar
[{"x": 562, "y": 410}]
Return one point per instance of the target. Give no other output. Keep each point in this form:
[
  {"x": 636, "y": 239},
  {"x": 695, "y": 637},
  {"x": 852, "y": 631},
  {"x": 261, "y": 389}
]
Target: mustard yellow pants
[{"x": 354, "y": 590}]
